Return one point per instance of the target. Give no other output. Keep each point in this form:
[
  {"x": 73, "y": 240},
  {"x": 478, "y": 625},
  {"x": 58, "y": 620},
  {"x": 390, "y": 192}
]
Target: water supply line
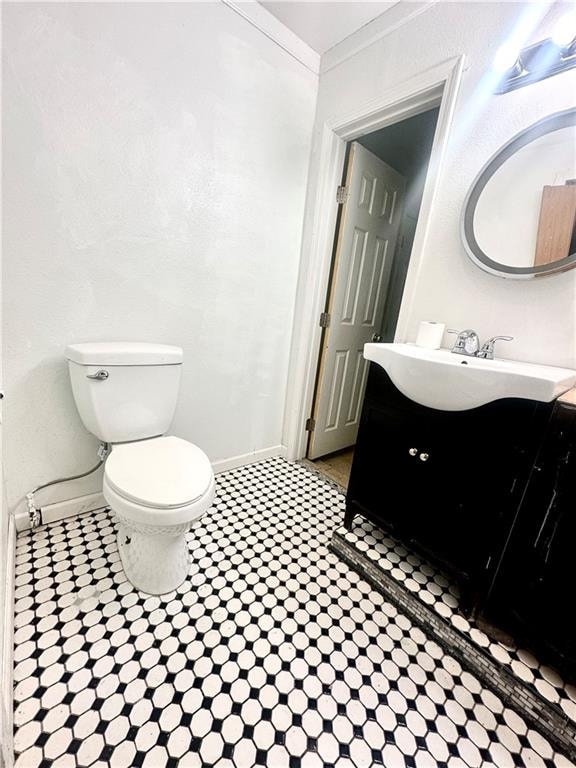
[{"x": 34, "y": 513}]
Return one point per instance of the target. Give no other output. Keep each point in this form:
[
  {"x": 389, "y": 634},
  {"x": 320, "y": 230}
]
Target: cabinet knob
[
  {"x": 413, "y": 451},
  {"x": 424, "y": 456}
]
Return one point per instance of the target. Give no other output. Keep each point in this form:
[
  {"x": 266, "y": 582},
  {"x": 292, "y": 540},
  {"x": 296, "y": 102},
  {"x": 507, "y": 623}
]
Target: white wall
[
  {"x": 155, "y": 163},
  {"x": 540, "y": 314}
]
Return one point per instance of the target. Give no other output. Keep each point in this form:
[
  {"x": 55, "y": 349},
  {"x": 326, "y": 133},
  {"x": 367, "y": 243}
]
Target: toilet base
[{"x": 155, "y": 563}]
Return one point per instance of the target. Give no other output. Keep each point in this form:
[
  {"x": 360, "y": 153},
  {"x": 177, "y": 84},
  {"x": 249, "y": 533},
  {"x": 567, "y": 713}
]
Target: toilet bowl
[
  {"x": 126, "y": 394},
  {"x": 157, "y": 488}
]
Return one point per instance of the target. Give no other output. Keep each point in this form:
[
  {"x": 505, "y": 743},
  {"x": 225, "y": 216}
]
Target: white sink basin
[{"x": 441, "y": 379}]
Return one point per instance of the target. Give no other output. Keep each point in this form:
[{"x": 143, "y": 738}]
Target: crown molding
[
  {"x": 400, "y": 14},
  {"x": 269, "y": 25}
]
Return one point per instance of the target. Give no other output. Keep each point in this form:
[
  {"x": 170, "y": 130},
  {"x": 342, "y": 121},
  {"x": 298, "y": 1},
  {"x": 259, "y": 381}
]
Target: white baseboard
[
  {"x": 7, "y": 655},
  {"x": 93, "y": 501},
  {"x": 248, "y": 458},
  {"x": 63, "y": 509}
]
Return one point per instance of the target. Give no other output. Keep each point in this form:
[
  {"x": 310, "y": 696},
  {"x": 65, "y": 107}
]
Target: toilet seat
[
  {"x": 163, "y": 472},
  {"x": 161, "y": 481}
]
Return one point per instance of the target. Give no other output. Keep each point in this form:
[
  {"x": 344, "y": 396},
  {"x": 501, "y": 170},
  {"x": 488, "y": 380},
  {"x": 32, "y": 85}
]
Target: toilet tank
[{"x": 125, "y": 391}]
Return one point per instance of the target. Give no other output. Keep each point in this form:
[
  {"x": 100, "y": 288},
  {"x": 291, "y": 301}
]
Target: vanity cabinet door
[
  {"x": 462, "y": 502},
  {"x": 388, "y": 475},
  {"x": 444, "y": 523},
  {"x": 483, "y": 463},
  {"x": 422, "y": 474},
  {"x": 534, "y": 589}
]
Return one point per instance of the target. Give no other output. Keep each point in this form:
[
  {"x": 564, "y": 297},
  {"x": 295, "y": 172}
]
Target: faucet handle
[
  {"x": 467, "y": 342},
  {"x": 487, "y": 351},
  {"x": 458, "y": 343}
]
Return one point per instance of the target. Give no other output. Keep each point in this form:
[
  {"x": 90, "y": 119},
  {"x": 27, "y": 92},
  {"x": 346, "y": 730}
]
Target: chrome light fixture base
[{"x": 537, "y": 62}]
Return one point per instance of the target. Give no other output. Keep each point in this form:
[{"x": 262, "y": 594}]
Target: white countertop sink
[{"x": 441, "y": 379}]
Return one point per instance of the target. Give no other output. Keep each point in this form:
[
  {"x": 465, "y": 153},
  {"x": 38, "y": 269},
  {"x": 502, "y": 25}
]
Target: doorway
[{"x": 380, "y": 199}]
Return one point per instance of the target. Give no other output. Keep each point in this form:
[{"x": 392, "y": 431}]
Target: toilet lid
[{"x": 163, "y": 472}]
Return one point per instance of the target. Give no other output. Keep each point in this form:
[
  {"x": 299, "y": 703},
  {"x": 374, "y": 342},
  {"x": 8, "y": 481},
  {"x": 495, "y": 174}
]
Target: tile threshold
[
  {"x": 310, "y": 466},
  {"x": 546, "y": 717},
  {"x": 433, "y": 587}
]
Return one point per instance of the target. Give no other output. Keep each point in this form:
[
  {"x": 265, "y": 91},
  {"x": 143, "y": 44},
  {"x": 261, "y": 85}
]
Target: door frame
[{"x": 438, "y": 85}]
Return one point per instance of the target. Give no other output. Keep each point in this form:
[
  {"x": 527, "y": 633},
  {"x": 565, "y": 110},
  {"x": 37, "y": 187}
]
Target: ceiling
[{"x": 323, "y": 24}]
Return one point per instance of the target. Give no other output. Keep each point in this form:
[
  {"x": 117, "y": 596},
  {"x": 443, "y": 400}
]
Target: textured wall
[
  {"x": 540, "y": 314},
  {"x": 155, "y": 163}
]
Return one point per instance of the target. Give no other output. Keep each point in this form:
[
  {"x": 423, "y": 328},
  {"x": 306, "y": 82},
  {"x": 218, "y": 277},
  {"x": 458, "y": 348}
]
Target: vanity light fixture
[
  {"x": 508, "y": 61},
  {"x": 556, "y": 54}
]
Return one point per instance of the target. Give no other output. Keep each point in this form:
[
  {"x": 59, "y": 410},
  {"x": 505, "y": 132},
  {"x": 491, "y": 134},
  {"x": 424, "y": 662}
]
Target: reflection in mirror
[
  {"x": 520, "y": 215},
  {"x": 556, "y": 230}
]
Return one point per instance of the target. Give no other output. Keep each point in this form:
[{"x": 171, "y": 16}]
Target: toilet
[{"x": 157, "y": 485}]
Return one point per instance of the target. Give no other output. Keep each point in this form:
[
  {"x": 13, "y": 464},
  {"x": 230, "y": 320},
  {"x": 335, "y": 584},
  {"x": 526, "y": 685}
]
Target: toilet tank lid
[{"x": 123, "y": 353}]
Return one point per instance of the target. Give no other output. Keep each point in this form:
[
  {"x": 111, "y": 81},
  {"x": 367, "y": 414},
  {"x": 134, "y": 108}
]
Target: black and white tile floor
[
  {"x": 430, "y": 585},
  {"x": 272, "y": 653}
]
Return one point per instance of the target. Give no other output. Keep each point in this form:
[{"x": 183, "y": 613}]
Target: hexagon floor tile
[{"x": 272, "y": 653}]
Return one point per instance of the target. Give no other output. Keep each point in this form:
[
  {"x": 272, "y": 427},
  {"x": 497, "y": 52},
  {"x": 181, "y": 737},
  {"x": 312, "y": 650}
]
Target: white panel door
[{"x": 365, "y": 248}]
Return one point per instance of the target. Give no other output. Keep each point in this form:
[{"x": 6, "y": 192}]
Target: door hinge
[
  {"x": 310, "y": 424},
  {"x": 341, "y": 194},
  {"x": 324, "y": 320}
]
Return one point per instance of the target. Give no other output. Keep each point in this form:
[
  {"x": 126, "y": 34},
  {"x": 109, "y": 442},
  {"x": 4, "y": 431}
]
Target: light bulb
[
  {"x": 506, "y": 57},
  {"x": 564, "y": 31}
]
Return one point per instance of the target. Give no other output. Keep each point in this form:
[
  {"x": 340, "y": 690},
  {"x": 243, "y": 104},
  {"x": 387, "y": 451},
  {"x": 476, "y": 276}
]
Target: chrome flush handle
[{"x": 100, "y": 375}]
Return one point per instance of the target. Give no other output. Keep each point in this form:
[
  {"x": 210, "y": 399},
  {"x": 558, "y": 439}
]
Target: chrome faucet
[
  {"x": 487, "y": 351},
  {"x": 467, "y": 343}
]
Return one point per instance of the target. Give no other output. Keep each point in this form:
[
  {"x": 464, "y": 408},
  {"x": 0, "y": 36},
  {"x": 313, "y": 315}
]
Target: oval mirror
[{"x": 519, "y": 218}]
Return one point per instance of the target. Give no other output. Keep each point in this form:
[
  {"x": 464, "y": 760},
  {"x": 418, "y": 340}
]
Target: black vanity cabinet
[
  {"x": 489, "y": 494},
  {"x": 534, "y": 593},
  {"x": 446, "y": 482}
]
